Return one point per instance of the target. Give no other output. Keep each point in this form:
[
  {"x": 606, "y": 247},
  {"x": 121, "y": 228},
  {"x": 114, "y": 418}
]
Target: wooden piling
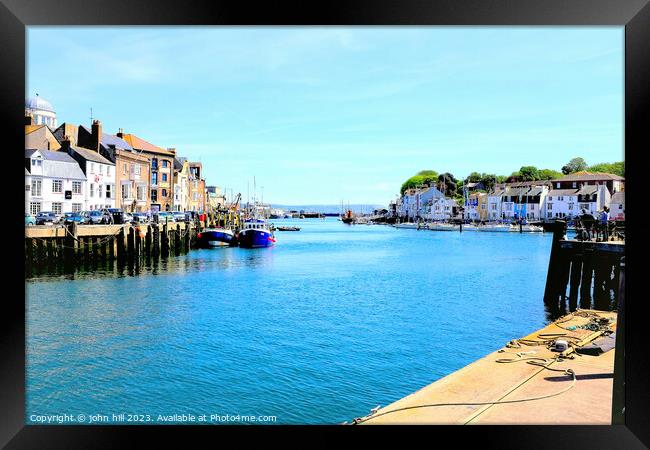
[{"x": 557, "y": 262}]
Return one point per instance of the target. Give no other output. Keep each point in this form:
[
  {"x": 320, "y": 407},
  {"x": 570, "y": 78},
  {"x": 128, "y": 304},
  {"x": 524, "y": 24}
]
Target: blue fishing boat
[
  {"x": 216, "y": 237},
  {"x": 255, "y": 233}
]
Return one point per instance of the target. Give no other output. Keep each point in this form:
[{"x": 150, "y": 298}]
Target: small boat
[
  {"x": 288, "y": 228},
  {"x": 216, "y": 237},
  {"x": 441, "y": 226},
  {"x": 256, "y": 233},
  {"x": 494, "y": 228},
  {"x": 469, "y": 227},
  {"x": 406, "y": 225},
  {"x": 348, "y": 217},
  {"x": 526, "y": 228}
]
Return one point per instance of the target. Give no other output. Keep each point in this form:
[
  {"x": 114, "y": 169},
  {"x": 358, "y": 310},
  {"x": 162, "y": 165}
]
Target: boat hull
[
  {"x": 217, "y": 238},
  {"x": 255, "y": 238}
]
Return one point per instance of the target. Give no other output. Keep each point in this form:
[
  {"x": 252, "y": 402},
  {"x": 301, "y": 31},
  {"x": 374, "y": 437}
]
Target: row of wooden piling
[
  {"x": 583, "y": 273},
  {"x": 72, "y": 244}
]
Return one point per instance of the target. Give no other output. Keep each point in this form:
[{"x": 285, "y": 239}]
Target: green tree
[
  {"x": 617, "y": 168},
  {"x": 575, "y": 165},
  {"x": 549, "y": 174},
  {"x": 529, "y": 173},
  {"x": 421, "y": 179},
  {"x": 447, "y": 184}
]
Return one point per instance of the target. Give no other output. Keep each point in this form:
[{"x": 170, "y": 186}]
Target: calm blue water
[{"x": 331, "y": 322}]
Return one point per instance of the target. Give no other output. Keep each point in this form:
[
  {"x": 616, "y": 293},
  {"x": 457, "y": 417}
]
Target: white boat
[
  {"x": 406, "y": 225},
  {"x": 442, "y": 227},
  {"x": 526, "y": 228},
  {"x": 494, "y": 228},
  {"x": 469, "y": 227}
]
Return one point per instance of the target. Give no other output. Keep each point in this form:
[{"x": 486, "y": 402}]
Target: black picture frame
[{"x": 634, "y": 15}]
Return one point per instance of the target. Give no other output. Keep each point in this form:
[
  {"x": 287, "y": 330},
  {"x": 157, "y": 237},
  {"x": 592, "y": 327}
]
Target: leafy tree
[
  {"x": 529, "y": 173},
  {"x": 617, "y": 168},
  {"x": 447, "y": 184},
  {"x": 575, "y": 165},
  {"x": 421, "y": 179},
  {"x": 549, "y": 174}
]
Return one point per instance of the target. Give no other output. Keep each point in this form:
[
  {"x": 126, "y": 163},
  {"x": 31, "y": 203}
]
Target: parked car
[
  {"x": 29, "y": 220},
  {"x": 118, "y": 216},
  {"x": 47, "y": 218},
  {"x": 98, "y": 216},
  {"x": 140, "y": 217},
  {"x": 78, "y": 217},
  {"x": 127, "y": 217}
]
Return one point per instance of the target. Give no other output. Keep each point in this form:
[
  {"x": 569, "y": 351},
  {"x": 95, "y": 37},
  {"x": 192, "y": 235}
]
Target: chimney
[
  {"x": 120, "y": 133},
  {"x": 96, "y": 135},
  {"x": 65, "y": 144}
]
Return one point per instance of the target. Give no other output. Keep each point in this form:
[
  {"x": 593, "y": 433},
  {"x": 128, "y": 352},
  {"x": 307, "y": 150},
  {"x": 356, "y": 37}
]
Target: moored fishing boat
[
  {"x": 255, "y": 234},
  {"x": 216, "y": 237}
]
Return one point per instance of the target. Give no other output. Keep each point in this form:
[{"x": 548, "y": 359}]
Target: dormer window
[{"x": 557, "y": 185}]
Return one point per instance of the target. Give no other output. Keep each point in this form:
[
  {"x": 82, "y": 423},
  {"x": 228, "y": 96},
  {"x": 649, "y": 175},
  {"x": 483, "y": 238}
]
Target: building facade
[
  {"x": 41, "y": 111},
  {"x": 53, "y": 182},
  {"x": 100, "y": 176}
]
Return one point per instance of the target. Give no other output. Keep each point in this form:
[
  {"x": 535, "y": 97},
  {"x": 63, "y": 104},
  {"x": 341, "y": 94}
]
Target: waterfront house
[
  {"x": 561, "y": 203},
  {"x": 100, "y": 176},
  {"x": 617, "y": 206},
  {"x": 161, "y": 165},
  {"x": 576, "y": 180},
  {"x": 476, "y": 206},
  {"x": 197, "y": 197},
  {"x": 131, "y": 169},
  {"x": 494, "y": 200},
  {"x": 53, "y": 182},
  {"x": 424, "y": 201},
  {"x": 181, "y": 184}
]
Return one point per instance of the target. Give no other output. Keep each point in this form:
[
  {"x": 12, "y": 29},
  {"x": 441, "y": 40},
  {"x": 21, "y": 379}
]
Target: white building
[
  {"x": 617, "y": 206},
  {"x": 425, "y": 200},
  {"x": 494, "y": 202},
  {"x": 53, "y": 182},
  {"x": 442, "y": 208},
  {"x": 42, "y": 111},
  {"x": 568, "y": 203},
  {"x": 100, "y": 176}
]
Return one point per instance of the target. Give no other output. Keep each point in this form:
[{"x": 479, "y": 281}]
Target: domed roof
[{"x": 39, "y": 103}]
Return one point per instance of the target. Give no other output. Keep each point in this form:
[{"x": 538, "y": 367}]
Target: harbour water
[{"x": 332, "y": 321}]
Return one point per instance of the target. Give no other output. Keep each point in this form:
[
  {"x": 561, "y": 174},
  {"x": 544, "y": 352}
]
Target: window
[
  {"x": 56, "y": 207},
  {"x": 137, "y": 169},
  {"x": 557, "y": 185},
  {"x": 570, "y": 206},
  {"x": 154, "y": 178},
  {"x": 164, "y": 164},
  {"x": 76, "y": 187},
  {"x": 164, "y": 193},
  {"x": 532, "y": 206},
  {"x": 154, "y": 163},
  {"x": 36, "y": 189},
  {"x": 574, "y": 184},
  {"x": 92, "y": 189},
  {"x": 108, "y": 191},
  {"x": 57, "y": 186},
  {"x": 124, "y": 169},
  {"x": 141, "y": 192},
  {"x": 483, "y": 206},
  {"x": 560, "y": 198},
  {"x": 196, "y": 196},
  {"x": 108, "y": 171},
  {"x": 99, "y": 191},
  {"x": 101, "y": 169},
  {"x": 549, "y": 214},
  {"x": 154, "y": 195},
  {"x": 494, "y": 206},
  {"x": 549, "y": 206},
  {"x": 34, "y": 208},
  {"x": 125, "y": 191},
  {"x": 76, "y": 207},
  {"x": 164, "y": 177},
  {"x": 92, "y": 167}
]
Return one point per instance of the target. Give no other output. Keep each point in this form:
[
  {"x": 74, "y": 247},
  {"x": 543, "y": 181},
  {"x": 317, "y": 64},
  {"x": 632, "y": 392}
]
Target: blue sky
[{"x": 324, "y": 114}]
